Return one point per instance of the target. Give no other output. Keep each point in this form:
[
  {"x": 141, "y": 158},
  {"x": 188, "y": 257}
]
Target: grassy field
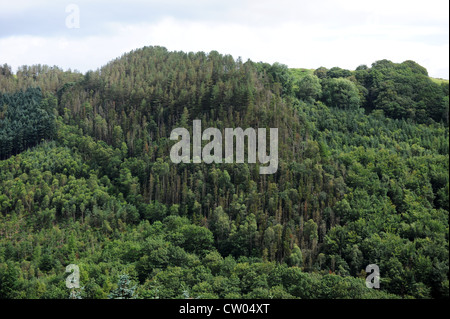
[
  {"x": 439, "y": 81},
  {"x": 300, "y": 73}
]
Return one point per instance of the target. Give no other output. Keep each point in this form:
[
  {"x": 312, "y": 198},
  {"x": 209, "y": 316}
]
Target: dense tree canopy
[
  {"x": 26, "y": 118},
  {"x": 86, "y": 179}
]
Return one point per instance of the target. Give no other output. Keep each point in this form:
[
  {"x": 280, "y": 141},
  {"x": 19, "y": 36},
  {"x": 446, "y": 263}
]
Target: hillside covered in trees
[{"x": 86, "y": 179}]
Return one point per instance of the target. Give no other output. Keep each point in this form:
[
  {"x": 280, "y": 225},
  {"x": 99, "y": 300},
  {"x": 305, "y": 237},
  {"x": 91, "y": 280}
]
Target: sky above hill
[{"x": 85, "y": 35}]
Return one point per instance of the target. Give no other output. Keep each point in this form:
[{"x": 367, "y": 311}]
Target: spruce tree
[{"x": 123, "y": 290}]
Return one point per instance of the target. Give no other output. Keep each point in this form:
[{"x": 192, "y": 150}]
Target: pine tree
[{"x": 123, "y": 290}]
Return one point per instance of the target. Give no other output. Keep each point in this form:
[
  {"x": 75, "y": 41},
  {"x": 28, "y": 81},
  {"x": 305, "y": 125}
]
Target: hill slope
[{"x": 362, "y": 179}]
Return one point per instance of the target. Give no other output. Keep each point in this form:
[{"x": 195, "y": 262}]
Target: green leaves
[
  {"x": 341, "y": 93},
  {"x": 196, "y": 239},
  {"x": 309, "y": 88},
  {"x": 353, "y": 187},
  {"x": 26, "y": 119},
  {"x": 405, "y": 91}
]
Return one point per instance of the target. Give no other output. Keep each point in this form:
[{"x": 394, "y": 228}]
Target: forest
[{"x": 86, "y": 179}]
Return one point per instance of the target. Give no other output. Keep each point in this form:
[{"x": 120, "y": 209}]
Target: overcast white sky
[{"x": 302, "y": 33}]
